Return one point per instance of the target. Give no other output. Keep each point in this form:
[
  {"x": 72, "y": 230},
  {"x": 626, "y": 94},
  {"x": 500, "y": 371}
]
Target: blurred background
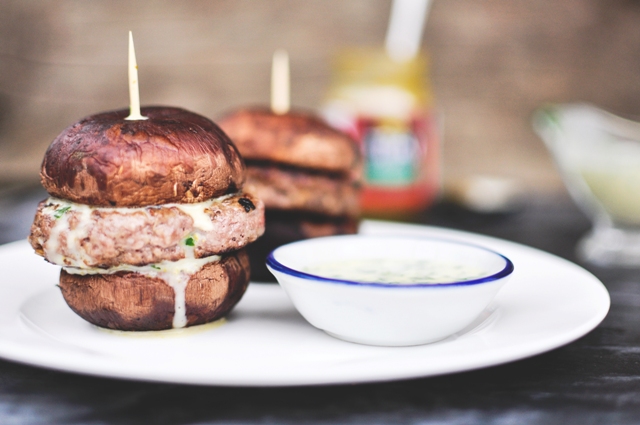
[{"x": 492, "y": 63}]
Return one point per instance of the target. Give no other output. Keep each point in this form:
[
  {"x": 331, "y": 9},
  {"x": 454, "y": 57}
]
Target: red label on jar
[{"x": 401, "y": 164}]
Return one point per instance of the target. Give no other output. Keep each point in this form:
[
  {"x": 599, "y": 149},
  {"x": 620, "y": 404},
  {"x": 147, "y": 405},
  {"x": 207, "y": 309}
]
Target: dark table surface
[{"x": 595, "y": 380}]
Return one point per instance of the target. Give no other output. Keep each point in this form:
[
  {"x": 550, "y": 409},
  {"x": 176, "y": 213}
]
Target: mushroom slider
[
  {"x": 147, "y": 218},
  {"x": 307, "y": 173}
]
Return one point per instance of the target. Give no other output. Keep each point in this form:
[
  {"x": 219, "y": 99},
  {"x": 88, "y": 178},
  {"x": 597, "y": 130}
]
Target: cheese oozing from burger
[
  {"x": 71, "y": 225},
  {"x": 176, "y": 274},
  {"x": 62, "y": 212},
  {"x": 81, "y": 236}
]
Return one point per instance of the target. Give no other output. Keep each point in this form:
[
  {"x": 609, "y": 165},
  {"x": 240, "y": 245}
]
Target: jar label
[{"x": 392, "y": 156}]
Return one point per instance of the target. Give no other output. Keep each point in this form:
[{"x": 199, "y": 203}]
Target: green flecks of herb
[
  {"x": 59, "y": 213},
  {"x": 189, "y": 241},
  {"x": 153, "y": 266}
]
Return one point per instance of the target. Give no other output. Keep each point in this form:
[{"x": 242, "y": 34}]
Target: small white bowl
[{"x": 388, "y": 314}]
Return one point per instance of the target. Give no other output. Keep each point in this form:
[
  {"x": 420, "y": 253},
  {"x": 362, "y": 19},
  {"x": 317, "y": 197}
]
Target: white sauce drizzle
[
  {"x": 51, "y": 246},
  {"x": 176, "y": 274},
  {"x": 197, "y": 212},
  {"x": 201, "y": 220},
  {"x": 185, "y": 265}
]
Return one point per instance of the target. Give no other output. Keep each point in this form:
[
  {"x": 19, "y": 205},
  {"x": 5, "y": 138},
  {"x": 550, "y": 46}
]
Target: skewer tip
[
  {"x": 280, "y": 83},
  {"x": 134, "y": 93}
]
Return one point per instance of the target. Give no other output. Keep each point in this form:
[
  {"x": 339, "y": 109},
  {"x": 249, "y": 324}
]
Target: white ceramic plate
[{"x": 549, "y": 302}]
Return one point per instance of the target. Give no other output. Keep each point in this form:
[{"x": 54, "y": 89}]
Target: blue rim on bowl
[{"x": 506, "y": 271}]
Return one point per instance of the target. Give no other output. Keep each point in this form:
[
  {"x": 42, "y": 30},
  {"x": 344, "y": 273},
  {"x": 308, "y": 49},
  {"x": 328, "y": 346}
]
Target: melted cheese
[
  {"x": 59, "y": 210},
  {"x": 176, "y": 274},
  {"x": 198, "y": 211}
]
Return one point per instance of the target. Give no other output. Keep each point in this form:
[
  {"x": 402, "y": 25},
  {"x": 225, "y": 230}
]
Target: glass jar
[{"x": 388, "y": 107}]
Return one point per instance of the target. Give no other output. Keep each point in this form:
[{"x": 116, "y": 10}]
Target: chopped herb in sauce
[
  {"x": 246, "y": 204},
  {"x": 396, "y": 271},
  {"x": 153, "y": 266},
  {"x": 59, "y": 213},
  {"x": 189, "y": 241}
]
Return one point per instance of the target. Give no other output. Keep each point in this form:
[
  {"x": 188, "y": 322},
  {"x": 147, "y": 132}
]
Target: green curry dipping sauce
[{"x": 396, "y": 271}]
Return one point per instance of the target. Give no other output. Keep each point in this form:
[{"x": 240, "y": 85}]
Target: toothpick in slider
[
  {"x": 280, "y": 97},
  {"x": 134, "y": 93}
]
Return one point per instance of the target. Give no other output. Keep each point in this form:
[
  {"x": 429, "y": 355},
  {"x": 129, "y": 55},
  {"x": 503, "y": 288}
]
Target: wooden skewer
[
  {"x": 134, "y": 93},
  {"x": 280, "y": 91}
]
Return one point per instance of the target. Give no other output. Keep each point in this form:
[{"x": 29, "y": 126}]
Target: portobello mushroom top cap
[
  {"x": 175, "y": 156},
  {"x": 296, "y": 139}
]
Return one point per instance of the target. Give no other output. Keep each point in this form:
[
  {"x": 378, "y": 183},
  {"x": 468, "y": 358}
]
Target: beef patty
[
  {"x": 76, "y": 235},
  {"x": 292, "y": 189}
]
